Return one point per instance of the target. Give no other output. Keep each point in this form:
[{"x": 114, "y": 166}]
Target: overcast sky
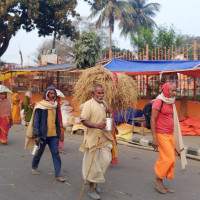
[{"x": 183, "y": 14}]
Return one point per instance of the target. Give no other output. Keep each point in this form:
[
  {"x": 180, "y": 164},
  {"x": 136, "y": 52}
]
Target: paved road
[{"x": 131, "y": 179}]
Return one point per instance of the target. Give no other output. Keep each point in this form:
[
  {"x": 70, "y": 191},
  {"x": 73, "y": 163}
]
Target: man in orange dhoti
[{"x": 162, "y": 127}]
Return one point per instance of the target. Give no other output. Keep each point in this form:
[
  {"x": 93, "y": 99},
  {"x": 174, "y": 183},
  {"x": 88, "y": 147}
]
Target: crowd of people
[{"x": 45, "y": 126}]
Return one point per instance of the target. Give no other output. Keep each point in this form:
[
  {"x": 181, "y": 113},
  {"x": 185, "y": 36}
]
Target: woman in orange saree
[
  {"x": 16, "y": 109},
  {"x": 5, "y": 115}
]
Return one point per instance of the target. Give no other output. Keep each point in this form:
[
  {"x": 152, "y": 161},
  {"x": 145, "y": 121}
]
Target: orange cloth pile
[{"x": 190, "y": 125}]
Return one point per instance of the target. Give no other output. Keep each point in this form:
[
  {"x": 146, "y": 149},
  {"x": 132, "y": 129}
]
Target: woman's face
[
  {"x": 172, "y": 90},
  {"x": 3, "y": 95}
]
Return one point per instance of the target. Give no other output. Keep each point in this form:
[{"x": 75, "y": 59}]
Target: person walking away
[
  {"x": 16, "y": 109},
  {"x": 44, "y": 128},
  {"x": 61, "y": 141},
  {"x": 93, "y": 118},
  {"x": 164, "y": 121},
  {"x": 5, "y": 114},
  {"x": 28, "y": 108}
]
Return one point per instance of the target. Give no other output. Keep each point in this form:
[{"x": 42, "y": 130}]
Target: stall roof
[
  {"x": 152, "y": 67},
  {"x": 49, "y": 67}
]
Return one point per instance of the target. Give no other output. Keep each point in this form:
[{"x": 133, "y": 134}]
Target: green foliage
[
  {"x": 166, "y": 37},
  {"x": 86, "y": 50},
  {"x": 13, "y": 15},
  {"x": 145, "y": 37},
  {"x": 105, "y": 51},
  {"x": 49, "y": 16},
  {"x": 53, "y": 18},
  {"x": 140, "y": 17},
  {"x": 163, "y": 38}
]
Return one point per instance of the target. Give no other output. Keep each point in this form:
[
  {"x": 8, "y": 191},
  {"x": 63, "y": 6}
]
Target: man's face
[
  {"x": 3, "y": 95},
  {"x": 98, "y": 94},
  {"x": 172, "y": 90},
  {"x": 52, "y": 95}
]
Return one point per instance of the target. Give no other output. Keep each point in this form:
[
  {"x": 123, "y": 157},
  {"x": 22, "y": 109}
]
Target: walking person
[
  {"x": 165, "y": 128},
  {"x": 28, "y": 108},
  {"x": 93, "y": 117},
  {"x": 16, "y": 109},
  {"x": 5, "y": 114},
  {"x": 44, "y": 128}
]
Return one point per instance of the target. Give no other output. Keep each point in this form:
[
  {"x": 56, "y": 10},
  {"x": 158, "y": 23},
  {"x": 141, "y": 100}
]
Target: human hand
[
  {"x": 101, "y": 125},
  {"x": 37, "y": 140},
  {"x": 155, "y": 144}
]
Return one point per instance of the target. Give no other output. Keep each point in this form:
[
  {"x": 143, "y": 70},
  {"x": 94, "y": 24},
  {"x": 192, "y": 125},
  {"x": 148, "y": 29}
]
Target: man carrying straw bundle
[{"x": 95, "y": 139}]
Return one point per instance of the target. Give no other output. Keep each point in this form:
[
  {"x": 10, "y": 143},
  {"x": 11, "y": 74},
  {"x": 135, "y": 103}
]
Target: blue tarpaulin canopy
[{"x": 153, "y": 67}]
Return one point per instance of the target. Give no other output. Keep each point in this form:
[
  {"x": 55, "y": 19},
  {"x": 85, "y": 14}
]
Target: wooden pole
[
  {"x": 158, "y": 54},
  {"x": 195, "y": 50},
  {"x": 195, "y": 88},
  {"x": 147, "y": 52},
  {"x": 165, "y": 53},
  {"x": 83, "y": 187},
  {"x": 172, "y": 53},
  {"x": 147, "y": 94},
  {"x": 187, "y": 51}
]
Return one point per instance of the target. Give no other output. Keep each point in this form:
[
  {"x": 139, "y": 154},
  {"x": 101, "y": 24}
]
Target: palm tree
[
  {"x": 141, "y": 18},
  {"x": 110, "y": 11}
]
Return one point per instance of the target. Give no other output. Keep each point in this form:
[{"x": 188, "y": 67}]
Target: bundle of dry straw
[
  {"x": 118, "y": 95},
  {"x": 91, "y": 76},
  {"x": 126, "y": 96}
]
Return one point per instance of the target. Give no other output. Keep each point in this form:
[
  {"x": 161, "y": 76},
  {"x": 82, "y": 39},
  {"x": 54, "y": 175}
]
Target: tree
[
  {"x": 50, "y": 17},
  {"x": 14, "y": 15},
  {"x": 145, "y": 37},
  {"x": 63, "y": 46},
  {"x": 53, "y": 18},
  {"x": 83, "y": 25},
  {"x": 141, "y": 17},
  {"x": 110, "y": 11},
  {"x": 86, "y": 50},
  {"x": 168, "y": 37}
]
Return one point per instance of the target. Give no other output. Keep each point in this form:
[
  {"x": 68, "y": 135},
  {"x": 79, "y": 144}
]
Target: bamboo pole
[
  {"x": 175, "y": 52},
  {"x": 165, "y": 53},
  {"x": 172, "y": 53},
  {"x": 195, "y": 89},
  {"x": 187, "y": 52},
  {"x": 195, "y": 50},
  {"x": 83, "y": 187},
  {"x": 147, "y": 52}
]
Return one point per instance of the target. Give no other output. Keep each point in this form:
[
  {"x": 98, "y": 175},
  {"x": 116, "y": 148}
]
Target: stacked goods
[
  {"x": 91, "y": 76},
  {"x": 119, "y": 94}
]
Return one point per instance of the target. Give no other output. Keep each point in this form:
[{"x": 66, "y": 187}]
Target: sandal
[
  {"x": 169, "y": 190},
  {"x": 160, "y": 189}
]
